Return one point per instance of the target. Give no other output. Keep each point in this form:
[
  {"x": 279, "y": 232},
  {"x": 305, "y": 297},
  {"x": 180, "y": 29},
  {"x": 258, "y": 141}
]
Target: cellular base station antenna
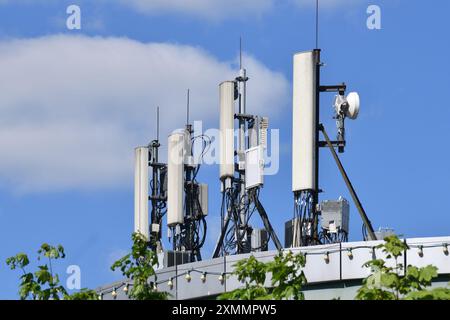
[
  {"x": 187, "y": 198},
  {"x": 241, "y": 173},
  {"x": 146, "y": 158},
  {"x": 304, "y": 228}
]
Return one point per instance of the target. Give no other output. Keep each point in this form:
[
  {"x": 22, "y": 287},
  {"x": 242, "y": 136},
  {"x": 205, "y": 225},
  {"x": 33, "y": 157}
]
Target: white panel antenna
[
  {"x": 227, "y": 129},
  {"x": 141, "y": 186},
  {"x": 254, "y": 167},
  {"x": 175, "y": 178},
  {"x": 304, "y": 122}
]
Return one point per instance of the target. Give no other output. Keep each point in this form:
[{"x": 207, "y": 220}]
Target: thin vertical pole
[
  {"x": 157, "y": 124},
  {"x": 188, "y": 102},
  {"x": 317, "y": 151},
  {"x": 317, "y": 24},
  {"x": 240, "y": 53}
]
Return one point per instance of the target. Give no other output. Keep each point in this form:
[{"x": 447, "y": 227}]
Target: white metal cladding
[
  {"x": 304, "y": 122},
  {"x": 332, "y": 274},
  {"x": 226, "y": 129},
  {"x": 175, "y": 180},
  {"x": 196, "y": 287},
  {"x": 141, "y": 183},
  {"x": 425, "y": 251}
]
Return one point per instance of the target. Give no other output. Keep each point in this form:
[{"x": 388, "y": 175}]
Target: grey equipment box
[
  {"x": 260, "y": 240},
  {"x": 335, "y": 215},
  {"x": 289, "y": 232},
  {"x": 173, "y": 258}
]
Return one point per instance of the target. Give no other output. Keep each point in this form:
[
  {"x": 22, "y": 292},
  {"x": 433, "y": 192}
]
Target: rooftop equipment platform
[{"x": 333, "y": 271}]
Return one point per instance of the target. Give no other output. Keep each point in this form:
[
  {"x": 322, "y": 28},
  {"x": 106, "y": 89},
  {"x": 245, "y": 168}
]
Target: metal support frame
[
  {"x": 315, "y": 213},
  {"x": 352, "y": 191},
  {"x": 191, "y": 235},
  {"x": 266, "y": 221},
  {"x": 236, "y": 199},
  {"x": 306, "y": 201},
  {"x": 158, "y": 196},
  {"x": 233, "y": 215},
  {"x": 340, "y": 88}
]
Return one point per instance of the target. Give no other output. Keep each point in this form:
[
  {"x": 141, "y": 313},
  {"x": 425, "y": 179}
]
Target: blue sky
[{"x": 75, "y": 103}]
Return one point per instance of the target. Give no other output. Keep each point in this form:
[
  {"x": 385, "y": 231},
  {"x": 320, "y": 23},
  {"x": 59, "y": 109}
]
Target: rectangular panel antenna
[
  {"x": 175, "y": 178},
  {"x": 254, "y": 167},
  {"x": 304, "y": 122},
  {"x": 227, "y": 129},
  {"x": 141, "y": 185}
]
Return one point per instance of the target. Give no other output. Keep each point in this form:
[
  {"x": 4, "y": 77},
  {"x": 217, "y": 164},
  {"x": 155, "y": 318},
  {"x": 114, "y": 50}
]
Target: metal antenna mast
[
  {"x": 317, "y": 24},
  {"x": 188, "y": 106},
  {"x": 158, "y": 195},
  {"x": 240, "y": 53},
  {"x": 157, "y": 123},
  {"x": 342, "y": 109},
  {"x": 186, "y": 218},
  {"x": 242, "y": 83},
  {"x": 306, "y": 146},
  {"x": 240, "y": 193}
]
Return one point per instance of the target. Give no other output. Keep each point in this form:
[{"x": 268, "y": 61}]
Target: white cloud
[
  {"x": 210, "y": 9},
  {"x": 74, "y": 107}
]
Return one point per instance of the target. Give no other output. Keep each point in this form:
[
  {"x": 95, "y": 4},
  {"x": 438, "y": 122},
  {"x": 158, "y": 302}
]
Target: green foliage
[
  {"x": 139, "y": 266},
  {"x": 287, "y": 278},
  {"x": 398, "y": 282},
  {"x": 434, "y": 294},
  {"x": 44, "y": 284},
  {"x": 83, "y": 294},
  {"x": 252, "y": 273},
  {"x": 393, "y": 247},
  {"x": 51, "y": 252}
]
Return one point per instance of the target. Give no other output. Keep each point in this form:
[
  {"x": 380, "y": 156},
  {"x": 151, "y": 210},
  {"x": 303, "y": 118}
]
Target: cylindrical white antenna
[
  {"x": 141, "y": 183},
  {"x": 175, "y": 179},
  {"x": 227, "y": 129},
  {"x": 304, "y": 122}
]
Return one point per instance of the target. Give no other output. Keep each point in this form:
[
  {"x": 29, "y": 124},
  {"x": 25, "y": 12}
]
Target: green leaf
[
  {"x": 139, "y": 265},
  {"x": 18, "y": 261},
  {"x": 386, "y": 283},
  {"x": 83, "y": 294},
  {"x": 394, "y": 246},
  {"x": 428, "y": 273},
  {"x": 287, "y": 278}
]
